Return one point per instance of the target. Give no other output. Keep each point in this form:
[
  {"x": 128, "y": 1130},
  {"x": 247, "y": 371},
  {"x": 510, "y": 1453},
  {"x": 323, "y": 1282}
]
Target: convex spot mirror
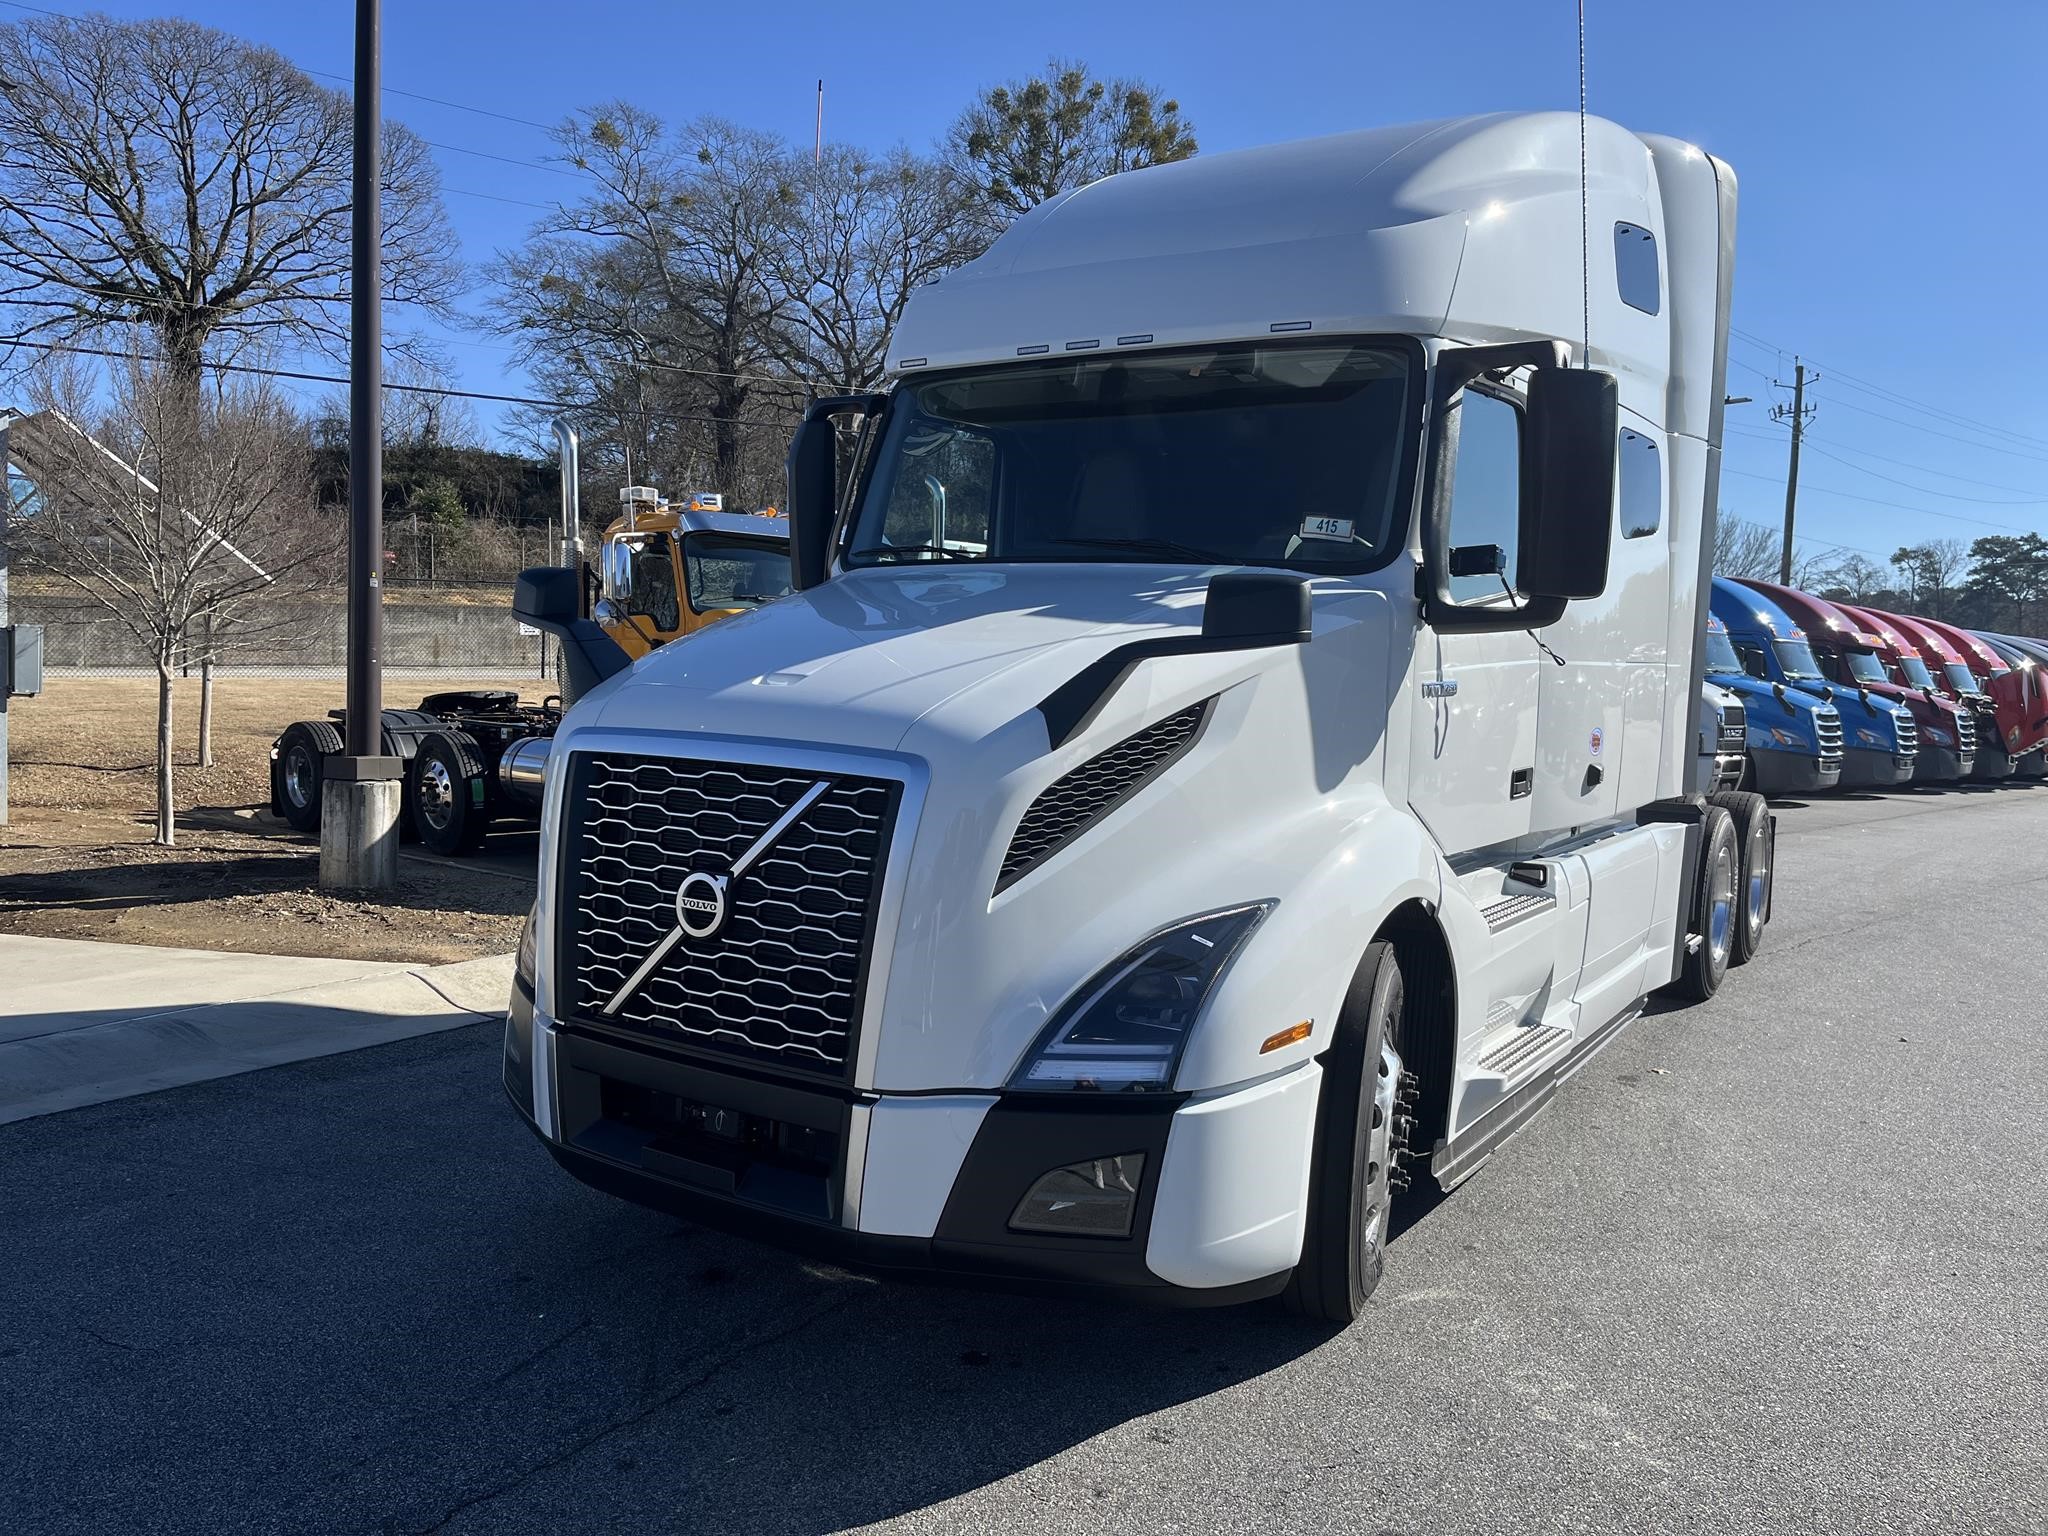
[{"x": 1569, "y": 434}]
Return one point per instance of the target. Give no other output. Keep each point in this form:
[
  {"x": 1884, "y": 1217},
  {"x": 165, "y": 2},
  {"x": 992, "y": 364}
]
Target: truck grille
[
  {"x": 1966, "y": 732},
  {"x": 780, "y": 980},
  {"x": 1909, "y": 733},
  {"x": 1734, "y": 728},
  {"x": 1827, "y": 725}
]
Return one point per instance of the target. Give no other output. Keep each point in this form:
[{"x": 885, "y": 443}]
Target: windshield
[
  {"x": 1961, "y": 678},
  {"x": 1796, "y": 657},
  {"x": 1864, "y": 667},
  {"x": 731, "y": 572},
  {"x": 1269, "y": 455},
  {"x": 1916, "y": 672},
  {"x": 1721, "y": 658}
]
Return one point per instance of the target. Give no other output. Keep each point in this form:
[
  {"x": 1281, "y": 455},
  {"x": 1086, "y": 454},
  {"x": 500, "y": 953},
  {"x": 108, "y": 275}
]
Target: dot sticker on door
[{"x": 1593, "y": 742}]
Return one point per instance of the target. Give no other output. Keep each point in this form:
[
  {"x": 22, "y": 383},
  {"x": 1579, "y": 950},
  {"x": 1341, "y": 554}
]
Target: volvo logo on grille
[
  {"x": 700, "y": 905},
  {"x": 701, "y": 899}
]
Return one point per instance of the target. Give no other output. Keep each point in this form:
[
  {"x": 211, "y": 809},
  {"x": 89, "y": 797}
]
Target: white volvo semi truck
[{"x": 1232, "y": 752}]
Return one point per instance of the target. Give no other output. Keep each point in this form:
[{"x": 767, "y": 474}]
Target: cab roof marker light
[
  {"x": 911, "y": 362},
  {"x": 1140, "y": 339},
  {"x": 1038, "y": 351},
  {"x": 1084, "y": 346},
  {"x": 1291, "y": 325}
]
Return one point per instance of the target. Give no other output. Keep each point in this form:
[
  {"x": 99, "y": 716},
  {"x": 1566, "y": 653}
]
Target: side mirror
[
  {"x": 549, "y": 597},
  {"x": 1569, "y": 436},
  {"x": 615, "y": 569},
  {"x": 812, "y": 473}
]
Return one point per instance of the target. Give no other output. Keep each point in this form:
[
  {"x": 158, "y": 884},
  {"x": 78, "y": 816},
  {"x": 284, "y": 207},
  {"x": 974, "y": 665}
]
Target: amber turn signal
[{"x": 1288, "y": 1036}]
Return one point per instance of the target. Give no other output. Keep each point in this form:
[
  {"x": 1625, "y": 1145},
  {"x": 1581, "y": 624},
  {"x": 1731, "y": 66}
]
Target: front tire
[
  {"x": 1754, "y": 838},
  {"x": 1350, "y": 1197}
]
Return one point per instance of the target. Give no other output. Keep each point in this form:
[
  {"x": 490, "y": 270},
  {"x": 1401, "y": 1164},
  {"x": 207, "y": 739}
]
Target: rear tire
[
  {"x": 1349, "y": 1195},
  {"x": 1755, "y": 837},
  {"x": 299, "y": 768},
  {"x": 450, "y": 795},
  {"x": 1713, "y": 911}
]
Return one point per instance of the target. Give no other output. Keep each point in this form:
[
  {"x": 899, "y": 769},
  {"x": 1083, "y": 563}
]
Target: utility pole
[
  {"x": 6, "y": 666},
  {"x": 1796, "y": 413},
  {"x": 359, "y": 789},
  {"x": 817, "y": 150}
]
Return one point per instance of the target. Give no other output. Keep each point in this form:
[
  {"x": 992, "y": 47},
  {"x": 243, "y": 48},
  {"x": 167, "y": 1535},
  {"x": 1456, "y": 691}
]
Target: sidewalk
[{"x": 83, "y": 1022}]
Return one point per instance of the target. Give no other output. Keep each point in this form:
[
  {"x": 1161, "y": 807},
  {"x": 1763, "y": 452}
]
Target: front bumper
[
  {"x": 1863, "y": 768},
  {"x": 1941, "y": 765},
  {"x": 923, "y": 1186},
  {"x": 1785, "y": 773}
]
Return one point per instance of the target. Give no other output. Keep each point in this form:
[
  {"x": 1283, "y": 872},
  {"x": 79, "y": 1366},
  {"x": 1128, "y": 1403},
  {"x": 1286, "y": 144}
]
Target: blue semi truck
[
  {"x": 1877, "y": 750},
  {"x": 1795, "y": 738}
]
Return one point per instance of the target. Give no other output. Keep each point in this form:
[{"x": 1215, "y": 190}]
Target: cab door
[{"x": 1472, "y": 750}]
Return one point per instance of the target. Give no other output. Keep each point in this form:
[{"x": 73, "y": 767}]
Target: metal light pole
[
  {"x": 6, "y": 685},
  {"x": 359, "y": 791}
]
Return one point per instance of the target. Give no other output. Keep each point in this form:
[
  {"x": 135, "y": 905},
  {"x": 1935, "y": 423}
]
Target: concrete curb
[{"x": 60, "y": 1061}]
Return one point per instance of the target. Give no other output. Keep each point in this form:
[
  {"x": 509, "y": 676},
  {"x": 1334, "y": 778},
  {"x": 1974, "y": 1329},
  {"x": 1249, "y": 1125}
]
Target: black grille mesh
[
  {"x": 781, "y": 980},
  {"x": 1082, "y": 796}
]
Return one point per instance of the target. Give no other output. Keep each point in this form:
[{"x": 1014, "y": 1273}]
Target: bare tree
[
  {"x": 1932, "y": 571},
  {"x": 164, "y": 175},
  {"x": 185, "y": 519},
  {"x": 1744, "y": 548},
  {"x": 1854, "y": 576},
  {"x": 864, "y": 233}
]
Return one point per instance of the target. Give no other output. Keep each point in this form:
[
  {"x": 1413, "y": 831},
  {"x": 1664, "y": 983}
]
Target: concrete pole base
[{"x": 359, "y": 834}]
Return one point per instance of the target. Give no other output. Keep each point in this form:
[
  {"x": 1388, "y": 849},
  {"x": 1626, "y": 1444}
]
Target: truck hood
[{"x": 866, "y": 657}]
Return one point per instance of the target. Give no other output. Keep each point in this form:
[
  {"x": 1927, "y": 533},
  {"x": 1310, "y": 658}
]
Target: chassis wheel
[
  {"x": 297, "y": 770},
  {"x": 450, "y": 796},
  {"x": 1757, "y": 840},
  {"x": 1350, "y": 1197},
  {"x": 1714, "y": 908}
]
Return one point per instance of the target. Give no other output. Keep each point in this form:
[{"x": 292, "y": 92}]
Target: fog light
[{"x": 1096, "y": 1198}]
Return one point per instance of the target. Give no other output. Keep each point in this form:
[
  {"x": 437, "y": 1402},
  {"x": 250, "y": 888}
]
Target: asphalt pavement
[{"x": 1776, "y": 1264}]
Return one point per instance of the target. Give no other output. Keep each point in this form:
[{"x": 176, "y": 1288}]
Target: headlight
[
  {"x": 1938, "y": 736},
  {"x": 1124, "y": 1030},
  {"x": 523, "y": 961}
]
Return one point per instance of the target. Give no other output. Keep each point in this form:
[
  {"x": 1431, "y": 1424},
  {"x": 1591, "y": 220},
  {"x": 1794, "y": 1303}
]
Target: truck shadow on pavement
[{"x": 353, "y": 1294}]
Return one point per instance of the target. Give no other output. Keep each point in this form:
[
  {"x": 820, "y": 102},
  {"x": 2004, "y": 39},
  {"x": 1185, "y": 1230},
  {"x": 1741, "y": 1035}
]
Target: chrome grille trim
[
  {"x": 1084, "y": 795},
  {"x": 1909, "y": 733},
  {"x": 1966, "y": 732},
  {"x": 1827, "y": 726},
  {"x": 782, "y": 983}
]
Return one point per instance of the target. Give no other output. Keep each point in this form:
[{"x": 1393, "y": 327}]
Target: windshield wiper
[
  {"x": 891, "y": 551},
  {"x": 1166, "y": 547}
]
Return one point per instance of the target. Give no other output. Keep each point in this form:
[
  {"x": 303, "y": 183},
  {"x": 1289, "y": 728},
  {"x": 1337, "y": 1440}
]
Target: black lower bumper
[
  {"x": 1793, "y": 773},
  {"x": 1866, "y": 769},
  {"x": 604, "y": 1089}
]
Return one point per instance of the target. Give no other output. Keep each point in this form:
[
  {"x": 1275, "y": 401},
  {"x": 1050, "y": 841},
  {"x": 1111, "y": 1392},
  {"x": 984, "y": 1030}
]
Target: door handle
[{"x": 1521, "y": 783}]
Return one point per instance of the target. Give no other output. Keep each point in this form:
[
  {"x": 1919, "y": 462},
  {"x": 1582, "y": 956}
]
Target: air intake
[{"x": 1079, "y": 798}]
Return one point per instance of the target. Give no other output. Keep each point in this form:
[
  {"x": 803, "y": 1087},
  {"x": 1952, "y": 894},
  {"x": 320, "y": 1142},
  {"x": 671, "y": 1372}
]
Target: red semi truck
[
  {"x": 2019, "y": 698},
  {"x": 1953, "y": 679},
  {"x": 1852, "y": 653}
]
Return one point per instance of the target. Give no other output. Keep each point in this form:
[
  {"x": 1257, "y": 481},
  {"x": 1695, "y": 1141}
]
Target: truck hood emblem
[{"x": 701, "y": 903}]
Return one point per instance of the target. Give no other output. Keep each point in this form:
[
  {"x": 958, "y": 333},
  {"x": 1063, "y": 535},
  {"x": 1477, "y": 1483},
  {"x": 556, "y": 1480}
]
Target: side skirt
[{"x": 1453, "y": 1162}]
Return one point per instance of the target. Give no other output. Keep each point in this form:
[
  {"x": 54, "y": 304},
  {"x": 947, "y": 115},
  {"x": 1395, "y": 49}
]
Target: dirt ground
[{"x": 77, "y": 860}]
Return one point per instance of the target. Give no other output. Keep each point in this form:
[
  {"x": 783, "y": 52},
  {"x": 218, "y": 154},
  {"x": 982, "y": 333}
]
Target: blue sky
[{"x": 1891, "y": 157}]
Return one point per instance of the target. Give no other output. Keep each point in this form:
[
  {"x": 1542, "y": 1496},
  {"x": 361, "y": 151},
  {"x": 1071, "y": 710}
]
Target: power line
[
  {"x": 1903, "y": 506},
  {"x": 1929, "y": 469},
  {"x": 1986, "y": 501}
]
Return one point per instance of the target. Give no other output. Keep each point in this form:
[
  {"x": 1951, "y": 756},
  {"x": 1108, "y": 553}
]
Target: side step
[
  {"x": 1510, "y": 910},
  {"x": 1455, "y": 1161},
  {"x": 1521, "y": 1048}
]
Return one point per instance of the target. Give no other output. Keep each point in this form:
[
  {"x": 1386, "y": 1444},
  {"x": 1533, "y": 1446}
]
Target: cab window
[
  {"x": 1486, "y": 489},
  {"x": 654, "y": 585}
]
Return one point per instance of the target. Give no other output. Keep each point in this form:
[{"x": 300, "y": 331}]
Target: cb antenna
[{"x": 1585, "y": 218}]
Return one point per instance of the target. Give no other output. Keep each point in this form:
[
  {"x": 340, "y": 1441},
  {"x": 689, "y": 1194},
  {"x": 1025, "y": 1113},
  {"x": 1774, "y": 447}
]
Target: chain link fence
[{"x": 465, "y": 628}]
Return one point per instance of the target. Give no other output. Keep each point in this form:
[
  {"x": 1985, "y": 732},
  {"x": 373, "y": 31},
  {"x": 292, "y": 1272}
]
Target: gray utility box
[{"x": 21, "y": 660}]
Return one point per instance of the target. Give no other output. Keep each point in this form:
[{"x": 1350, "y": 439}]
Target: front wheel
[
  {"x": 297, "y": 769},
  {"x": 1350, "y": 1196}
]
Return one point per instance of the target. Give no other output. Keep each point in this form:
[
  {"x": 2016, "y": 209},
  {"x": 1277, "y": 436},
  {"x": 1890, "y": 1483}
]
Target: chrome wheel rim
[
  {"x": 1759, "y": 882},
  {"x": 298, "y": 776},
  {"x": 1379, "y": 1144},
  {"x": 1721, "y": 904},
  {"x": 436, "y": 794}
]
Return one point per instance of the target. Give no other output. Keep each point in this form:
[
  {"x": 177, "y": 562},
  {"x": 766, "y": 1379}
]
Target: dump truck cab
[
  {"x": 668, "y": 570},
  {"x": 1793, "y": 743}
]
